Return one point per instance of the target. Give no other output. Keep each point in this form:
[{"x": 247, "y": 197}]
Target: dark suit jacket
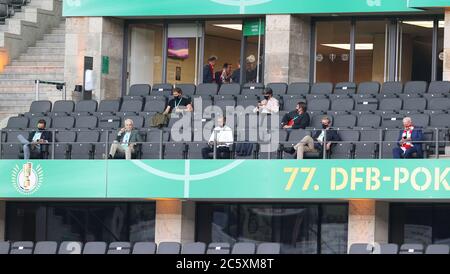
[
  {"x": 416, "y": 137},
  {"x": 331, "y": 135},
  {"x": 135, "y": 137},
  {"x": 301, "y": 122},
  {"x": 46, "y": 135},
  {"x": 207, "y": 75}
]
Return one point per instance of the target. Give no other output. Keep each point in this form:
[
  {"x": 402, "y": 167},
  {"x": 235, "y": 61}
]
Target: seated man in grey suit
[{"x": 126, "y": 139}]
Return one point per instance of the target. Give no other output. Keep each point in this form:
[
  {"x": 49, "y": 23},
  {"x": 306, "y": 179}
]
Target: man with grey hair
[
  {"x": 126, "y": 139},
  {"x": 408, "y": 141}
]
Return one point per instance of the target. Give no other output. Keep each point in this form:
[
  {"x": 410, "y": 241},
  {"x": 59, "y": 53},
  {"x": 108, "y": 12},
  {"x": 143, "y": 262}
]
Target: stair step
[
  {"x": 44, "y": 44},
  {"x": 18, "y": 89},
  {"x": 59, "y": 31},
  {"x": 30, "y": 57},
  {"x": 32, "y": 76},
  {"x": 17, "y": 82},
  {"x": 33, "y": 69},
  {"x": 46, "y": 51},
  {"x": 54, "y": 38}
]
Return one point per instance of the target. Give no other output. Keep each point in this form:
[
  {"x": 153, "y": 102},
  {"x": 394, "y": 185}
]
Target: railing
[
  {"x": 59, "y": 86},
  {"x": 435, "y": 139}
]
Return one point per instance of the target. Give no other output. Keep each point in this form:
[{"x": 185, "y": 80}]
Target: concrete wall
[
  {"x": 446, "y": 72},
  {"x": 287, "y": 46},
  {"x": 94, "y": 37}
]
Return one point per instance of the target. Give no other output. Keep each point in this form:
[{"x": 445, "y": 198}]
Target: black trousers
[{"x": 221, "y": 152}]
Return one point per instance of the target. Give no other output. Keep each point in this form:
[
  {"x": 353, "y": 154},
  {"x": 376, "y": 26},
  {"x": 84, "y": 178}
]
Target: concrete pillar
[
  {"x": 2, "y": 220},
  {"x": 446, "y": 73},
  {"x": 287, "y": 49},
  {"x": 94, "y": 37},
  {"x": 175, "y": 221},
  {"x": 368, "y": 222}
]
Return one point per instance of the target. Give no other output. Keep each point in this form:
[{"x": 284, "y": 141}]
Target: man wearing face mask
[
  {"x": 178, "y": 103},
  {"x": 269, "y": 105},
  {"x": 315, "y": 143},
  {"x": 297, "y": 118},
  {"x": 37, "y": 142}
]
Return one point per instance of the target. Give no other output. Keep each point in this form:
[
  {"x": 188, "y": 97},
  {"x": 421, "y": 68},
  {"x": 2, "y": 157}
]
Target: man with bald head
[
  {"x": 409, "y": 141},
  {"x": 126, "y": 139}
]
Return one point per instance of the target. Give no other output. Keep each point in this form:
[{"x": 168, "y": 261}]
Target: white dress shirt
[
  {"x": 224, "y": 136},
  {"x": 270, "y": 106}
]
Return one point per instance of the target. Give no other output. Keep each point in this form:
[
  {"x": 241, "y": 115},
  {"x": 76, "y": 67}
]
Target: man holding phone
[
  {"x": 409, "y": 141},
  {"x": 37, "y": 142},
  {"x": 126, "y": 140}
]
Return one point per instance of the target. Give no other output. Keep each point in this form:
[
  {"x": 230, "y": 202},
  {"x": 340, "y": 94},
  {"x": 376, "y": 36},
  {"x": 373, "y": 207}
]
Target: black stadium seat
[
  {"x": 187, "y": 89},
  {"x": 144, "y": 248},
  {"x": 39, "y": 108},
  {"x": 298, "y": 88},
  {"x": 321, "y": 88},
  {"x": 25, "y": 247},
  {"x": 46, "y": 247},
  {"x": 205, "y": 90},
  {"x": 345, "y": 87},
  {"x": 64, "y": 141},
  {"x": 252, "y": 89},
  {"x": 107, "y": 107},
  {"x": 371, "y": 88},
  {"x": 119, "y": 248},
  {"x": 139, "y": 90},
  {"x": 278, "y": 88},
  {"x": 168, "y": 248},
  {"x": 230, "y": 89},
  {"x": 95, "y": 248},
  {"x": 193, "y": 248},
  {"x": 17, "y": 123},
  {"x": 85, "y": 107},
  {"x": 161, "y": 90},
  {"x": 218, "y": 248}
]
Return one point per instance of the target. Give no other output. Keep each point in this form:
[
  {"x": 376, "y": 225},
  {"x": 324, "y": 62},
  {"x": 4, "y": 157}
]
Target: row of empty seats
[
  {"x": 364, "y": 248},
  {"x": 298, "y": 88},
  {"x": 68, "y": 247}
]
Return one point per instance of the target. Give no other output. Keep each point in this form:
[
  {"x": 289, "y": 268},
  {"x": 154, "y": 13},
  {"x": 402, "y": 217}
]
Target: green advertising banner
[
  {"x": 253, "y": 28},
  {"x": 228, "y": 7},
  {"x": 429, "y": 3},
  {"x": 226, "y": 179}
]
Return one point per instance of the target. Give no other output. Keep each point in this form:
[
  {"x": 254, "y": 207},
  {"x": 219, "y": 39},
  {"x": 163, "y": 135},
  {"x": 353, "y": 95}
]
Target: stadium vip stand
[
  {"x": 389, "y": 248},
  {"x": 73, "y": 247},
  {"x": 368, "y": 117}
]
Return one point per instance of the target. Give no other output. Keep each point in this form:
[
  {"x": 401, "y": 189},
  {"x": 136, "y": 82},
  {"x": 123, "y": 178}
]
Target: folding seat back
[
  {"x": 223, "y": 102},
  {"x": 369, "y": 120},
  {"x": 85, "y": 107},
  {"x": 437, "y": 249},
  {"x": 12, "y": 147},
  {"x": 230, "y": 89},
  {"x": 268, "y": 248},
  {"x": 366, "y": 104},
  {"x": 411, "y": 249},
  {"x": 174, "y": 150},
  {"x": 94, "y": 248},
  {"x": 218, "y": 248},
  {"x": 278, "y": 88},
  {"x": 349, "y": 135},
  {"x": 296, "y": 135},
  {"x": 298, "y": 88},
  {"x": 440, "y": 120},
  {"x": 346, "y": 104},
  {"x": 22, "y": 248},
  {"x": 344, "y": 121},
  {"x": 243, "y": 248},
  {"x": 46, "y": 247},
  {"x": 34, "y": 121},
  {"x": 131, "y": 106},
  {"x": 368, "y": 88},
  {"x": 144, "y": 248},
  {"x": 66, "y": 106},
  {"x": 388, "y": 249},
  {"x": 390, "y": 104},
  {"x": 345, "y": 87},
  {"x": 439, "y": 87},
  {"x": 415, "y": 87},
  {"x": 209, "y": 89},
  {"x": 70, "y": 247},
  {"x": 162, "y": 90},
  {"x": 316, "y": 121},
  {"x": 420, "y": 120},
  {"x": 138, "y": 121},
  {"x": 439, "y": 104},
  {"x": 290, "y": 101},
  {"x": 389, "y": 143},
  {"x": 417, "y": 104},
  {"x": 252, "y": 89},
  {"x": 109, "y": 122},
  {"x": 322, "y": 88},
  {"x": 319, "y": 105},
  {"x": 391, "y": 88},
  {"x": 17, "y": 123},
  {"x": 4, "y": 247},
  {"x": 119, "y": 248},
  {"x": 155, "y": 104},
  {"x": 64, "y": 141},
  {"x": 360, "y": 248},
  {"x": 139, "y": 90},
  {"x": 63, "y": 122},
  {"x": 108, "y": 106},
  {"x": 84, "y": 147},
  {"x": 86, "y": 122},
  {"x": 195, "y": 150},
  {"x": 40, "y": 107},
  {"x": 187, "y": 89},
  {"x": 391, "y": 121},
  {"x": 193, "y": 248},
  {"x": 168, "y": 248}
]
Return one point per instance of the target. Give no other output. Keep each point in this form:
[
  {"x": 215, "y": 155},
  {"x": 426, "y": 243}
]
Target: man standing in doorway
[{"x": 208, "y": 70}]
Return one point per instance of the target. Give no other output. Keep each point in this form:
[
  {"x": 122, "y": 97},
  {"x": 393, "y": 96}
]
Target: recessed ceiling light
[
  {"x": 358, "y": 46},
  {"x": 229, "y": 26}
]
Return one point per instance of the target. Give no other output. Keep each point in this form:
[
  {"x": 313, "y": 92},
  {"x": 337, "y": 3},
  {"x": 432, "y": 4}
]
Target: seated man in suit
[
  {"x": 126, "y": 140},
  {"x": 37, "y": 142},
  {"x": 409, "y": 141},
  {"x": 315, "y": 143}
]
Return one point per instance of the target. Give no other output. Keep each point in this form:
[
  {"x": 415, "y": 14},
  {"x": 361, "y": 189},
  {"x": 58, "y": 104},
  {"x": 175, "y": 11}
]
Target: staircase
[{"x": 42, "y": 56}]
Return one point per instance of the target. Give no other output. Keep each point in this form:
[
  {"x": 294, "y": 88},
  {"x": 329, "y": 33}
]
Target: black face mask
[
  {"x": 266, "y": 97},
  {"x": 41, "y": 129},
  {"x": 176, "y": 97},
  {"x": 324, "y": 126}
]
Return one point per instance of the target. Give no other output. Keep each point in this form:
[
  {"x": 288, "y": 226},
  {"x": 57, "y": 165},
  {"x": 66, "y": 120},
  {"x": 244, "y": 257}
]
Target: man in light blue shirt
[{"x": 126, "y": 140}]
